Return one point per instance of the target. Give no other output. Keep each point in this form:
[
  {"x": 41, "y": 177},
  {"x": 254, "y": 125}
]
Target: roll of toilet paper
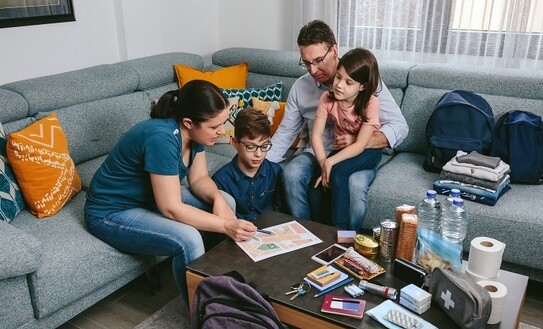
[
  {"x": 498, "y": 292},
  {"x": 485, "y": 257}
]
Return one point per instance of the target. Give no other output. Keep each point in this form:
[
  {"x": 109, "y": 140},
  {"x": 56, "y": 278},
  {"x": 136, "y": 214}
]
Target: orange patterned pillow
[
  {"x": 226, "y": 77},
  {"x": 43, "y": 167}
]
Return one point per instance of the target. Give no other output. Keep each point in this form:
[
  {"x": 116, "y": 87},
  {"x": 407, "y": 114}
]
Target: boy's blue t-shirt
[
  {"x": 123, "y": 182},
  {"x": 254, "y": 195}
]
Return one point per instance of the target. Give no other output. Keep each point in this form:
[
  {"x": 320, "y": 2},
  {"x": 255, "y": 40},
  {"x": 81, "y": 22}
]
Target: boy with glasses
[
  {"x": 251, "y": 179},
  {"x": 319, "y": 56}
]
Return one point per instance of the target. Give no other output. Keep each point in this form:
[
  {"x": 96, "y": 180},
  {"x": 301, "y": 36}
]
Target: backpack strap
[{"x": 239, "y": 277}]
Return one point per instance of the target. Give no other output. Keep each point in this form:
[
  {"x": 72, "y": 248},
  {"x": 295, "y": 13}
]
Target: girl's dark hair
[
  {"x": 197, "y": 100},
  {"x": 316, "y": 32},
  {"x": 251, "y": 123},
  {"x": 361, "y": 65}
]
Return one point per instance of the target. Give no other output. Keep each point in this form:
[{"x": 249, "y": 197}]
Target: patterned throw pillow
[
  {"x": 268, "y": 108},
  {"x": 43, "y": 167},
  {"x": 269, "y": 93},
  {"x": 11, "y": 198},
  {"x": 229, "y": 124}
]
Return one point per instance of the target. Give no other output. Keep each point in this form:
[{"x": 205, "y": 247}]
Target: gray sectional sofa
[{"x": 52, "y": 269}]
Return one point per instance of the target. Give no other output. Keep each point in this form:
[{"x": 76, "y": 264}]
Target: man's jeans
[
  {"x": 146, "y": 232},
  {"x": 306, "y": 202}
]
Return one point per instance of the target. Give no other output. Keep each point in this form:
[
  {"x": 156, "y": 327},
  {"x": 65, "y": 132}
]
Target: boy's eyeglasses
[
  {"x": 252, "y": 147},
  {"x": 319, "y": 62}
]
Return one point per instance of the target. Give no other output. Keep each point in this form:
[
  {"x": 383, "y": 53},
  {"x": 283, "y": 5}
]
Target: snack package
[{"x": 435, "y": 251}]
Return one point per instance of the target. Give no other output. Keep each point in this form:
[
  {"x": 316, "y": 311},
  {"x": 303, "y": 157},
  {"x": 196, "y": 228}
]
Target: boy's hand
[{"x": 239, "y": 229}]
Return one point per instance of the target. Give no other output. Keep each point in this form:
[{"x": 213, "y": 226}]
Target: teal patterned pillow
[
  {"x": 11, "y": 198},
  {"x": 269, "y": 94}
]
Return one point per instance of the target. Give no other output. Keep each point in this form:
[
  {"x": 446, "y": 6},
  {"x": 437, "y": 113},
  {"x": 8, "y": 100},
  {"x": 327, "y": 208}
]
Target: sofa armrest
[{"x": 20, "y": 252}]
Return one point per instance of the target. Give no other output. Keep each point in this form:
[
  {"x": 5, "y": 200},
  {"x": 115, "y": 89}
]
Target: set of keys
[{"x": 298, "y": 290}]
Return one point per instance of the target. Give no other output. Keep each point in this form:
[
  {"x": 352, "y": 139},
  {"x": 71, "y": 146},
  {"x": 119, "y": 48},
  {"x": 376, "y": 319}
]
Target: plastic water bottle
[
  {"x": 454, "y": 224},
  {"x": 429, "y": 212},
  {"x": 448, "y": 202}
]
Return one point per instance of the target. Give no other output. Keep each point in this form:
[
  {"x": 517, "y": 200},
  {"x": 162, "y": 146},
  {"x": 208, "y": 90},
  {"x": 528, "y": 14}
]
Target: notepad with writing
[{"x": 342, "y": 305}]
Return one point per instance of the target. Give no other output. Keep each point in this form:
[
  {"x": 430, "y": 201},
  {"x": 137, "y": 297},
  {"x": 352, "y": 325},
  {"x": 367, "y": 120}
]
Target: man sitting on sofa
[{"x": 319, "y": 55}]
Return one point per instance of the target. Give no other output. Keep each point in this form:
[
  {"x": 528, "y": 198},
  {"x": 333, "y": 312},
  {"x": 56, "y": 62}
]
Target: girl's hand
[
  {"x": 318, "y": 181},
  {"x": 239, "y": 229},
  {"x": 325, "y": 174},
  {"x": 343, "y": 141}
]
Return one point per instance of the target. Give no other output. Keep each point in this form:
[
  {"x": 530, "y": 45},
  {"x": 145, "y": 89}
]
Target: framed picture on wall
[{"x": 32, "y": 12}]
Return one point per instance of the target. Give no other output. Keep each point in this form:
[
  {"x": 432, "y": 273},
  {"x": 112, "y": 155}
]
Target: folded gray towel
[
  {"x": 476, "y": 158},
  {"x": 491, "y": 185}
]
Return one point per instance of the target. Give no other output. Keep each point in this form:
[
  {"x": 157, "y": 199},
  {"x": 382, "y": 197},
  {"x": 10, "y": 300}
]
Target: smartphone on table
[{"x": 329, "y": 255}]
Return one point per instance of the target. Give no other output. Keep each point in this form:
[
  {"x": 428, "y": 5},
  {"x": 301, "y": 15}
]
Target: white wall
[
  {"x": 107, "y": 31},
  {"x": 256, "y": 24},
  {"x": 36, "y": 50}
]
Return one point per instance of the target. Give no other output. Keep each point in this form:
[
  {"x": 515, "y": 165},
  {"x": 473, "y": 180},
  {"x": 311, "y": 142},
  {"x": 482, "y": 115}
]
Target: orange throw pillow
[
  {"x": 43, "y": 167},
  {"x": 226, "y": 77},
  {"x": 277, "y": 120}
]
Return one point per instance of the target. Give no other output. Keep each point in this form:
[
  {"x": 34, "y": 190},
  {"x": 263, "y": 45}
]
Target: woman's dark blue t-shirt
[{"x": 123, "y": 182}]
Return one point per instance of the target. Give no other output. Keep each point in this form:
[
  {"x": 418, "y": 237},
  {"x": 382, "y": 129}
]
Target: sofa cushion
[
  {"x": 12, "y": 106},
  {"x": 93, "y": 128},
  {"x": 515, "y": 217},
  {"x": 21, "y": 252},
  {"x": 227, "y": 77},
  {"x": 157, "y": 70},
  {"x": 66, "y": 244},
  {"x": 16, "y": 307},
  {"x": 87, "y": 169},
  {"x": 75, "y": 87},
  {"x": 43, "y": 167},
  {"x": 11, "y": 197}
]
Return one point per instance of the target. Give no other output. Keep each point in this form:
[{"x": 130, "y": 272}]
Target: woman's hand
[
  {"x": 222, "y": 209},
  {"x": 239, "y": 229}
]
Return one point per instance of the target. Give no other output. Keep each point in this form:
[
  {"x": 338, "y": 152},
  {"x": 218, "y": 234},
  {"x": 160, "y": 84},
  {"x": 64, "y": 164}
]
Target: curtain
[
  {"x": 308, "y": 10},
  {"x": 500, "y": 33}
]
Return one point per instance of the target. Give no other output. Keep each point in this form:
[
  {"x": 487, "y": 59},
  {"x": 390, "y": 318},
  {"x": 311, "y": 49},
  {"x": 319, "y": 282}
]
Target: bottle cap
[
  {"x": 458, "y": 202},
  {"x": 455, "y": 192},
  {"x": 431, "y": 193}
]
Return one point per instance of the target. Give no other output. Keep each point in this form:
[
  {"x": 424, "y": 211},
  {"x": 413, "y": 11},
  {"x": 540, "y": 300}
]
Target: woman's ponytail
[
  {"x": 197, "y": 100},
  {"x": 164, "y": 108}
]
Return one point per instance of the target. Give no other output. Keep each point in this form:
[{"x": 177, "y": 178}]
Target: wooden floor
[{"x": 133, "y": 303}]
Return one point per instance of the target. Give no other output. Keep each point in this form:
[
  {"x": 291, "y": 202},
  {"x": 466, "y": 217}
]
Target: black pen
[{"x": 264, "y": 231}]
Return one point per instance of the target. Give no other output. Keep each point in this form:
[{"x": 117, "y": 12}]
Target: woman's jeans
[{"x": 142, "y": 231}]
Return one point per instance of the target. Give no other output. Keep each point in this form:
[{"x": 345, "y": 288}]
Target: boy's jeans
[{"x": 146, "y": 232}]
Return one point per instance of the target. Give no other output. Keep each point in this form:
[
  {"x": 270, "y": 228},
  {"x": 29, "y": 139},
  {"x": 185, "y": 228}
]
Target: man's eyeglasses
[
  {"x": 317, "y": 63},
  {"x": 252, "y": 147}
]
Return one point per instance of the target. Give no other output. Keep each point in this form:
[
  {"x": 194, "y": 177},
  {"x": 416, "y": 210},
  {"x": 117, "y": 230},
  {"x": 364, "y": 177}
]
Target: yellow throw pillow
[
  {"x": 226, "y": 77},
  {"x": 277, "y": 121},
  {"x": 268, "y": 108},
  {"x": 43, "y": 167}
]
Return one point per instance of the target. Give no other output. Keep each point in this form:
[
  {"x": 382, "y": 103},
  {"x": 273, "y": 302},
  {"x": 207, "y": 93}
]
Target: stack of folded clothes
[{"x": 480, "y": 178}]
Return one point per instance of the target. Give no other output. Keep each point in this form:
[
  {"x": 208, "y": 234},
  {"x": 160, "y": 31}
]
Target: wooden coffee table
[{"x": 275, "y": 275}]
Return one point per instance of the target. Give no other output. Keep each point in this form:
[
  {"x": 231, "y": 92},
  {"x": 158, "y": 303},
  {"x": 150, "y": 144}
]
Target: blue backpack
[
  {"x": 461, "y": 120},
  {"x": 518, "y": 141}
]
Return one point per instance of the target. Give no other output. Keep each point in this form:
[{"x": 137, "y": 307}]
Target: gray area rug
[{"x": 173, "y": 316}]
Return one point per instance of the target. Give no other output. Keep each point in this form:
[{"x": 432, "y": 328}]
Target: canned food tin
[
  {"x": 388, "y": 239},
  {"x": 366, "y": 246}
]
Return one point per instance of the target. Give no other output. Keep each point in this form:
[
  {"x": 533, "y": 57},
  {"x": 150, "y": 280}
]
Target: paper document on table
[{"x": 285, "y": 238}]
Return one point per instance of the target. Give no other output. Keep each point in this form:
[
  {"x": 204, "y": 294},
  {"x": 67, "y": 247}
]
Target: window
[{"x": 500, "y": 32}]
